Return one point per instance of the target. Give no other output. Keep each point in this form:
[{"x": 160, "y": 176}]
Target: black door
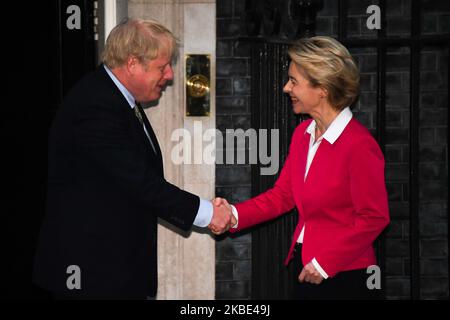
[{"x": 47, "y": 51}]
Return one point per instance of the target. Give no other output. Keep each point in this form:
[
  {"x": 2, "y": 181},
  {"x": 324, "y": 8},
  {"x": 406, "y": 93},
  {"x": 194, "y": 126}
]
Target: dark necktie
[{"x": 140, "y": 114}]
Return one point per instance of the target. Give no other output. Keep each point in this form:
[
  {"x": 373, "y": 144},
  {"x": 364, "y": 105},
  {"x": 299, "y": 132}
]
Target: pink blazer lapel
[
  {"x": 299, "y": 164},
  {"x": 319, "y": 158}
]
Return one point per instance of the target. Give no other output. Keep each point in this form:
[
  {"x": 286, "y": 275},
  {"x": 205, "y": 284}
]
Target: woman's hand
[{"x": 310, "y": 274}]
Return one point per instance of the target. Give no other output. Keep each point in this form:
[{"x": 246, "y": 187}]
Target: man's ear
[{"x": 132, "y": 63}]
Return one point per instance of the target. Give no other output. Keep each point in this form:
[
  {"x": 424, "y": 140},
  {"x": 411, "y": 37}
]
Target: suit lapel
[
  {"x": 322, "y": 154},
  {"x": 155, "y": 156},
  {"x": 301, "y": 162}
]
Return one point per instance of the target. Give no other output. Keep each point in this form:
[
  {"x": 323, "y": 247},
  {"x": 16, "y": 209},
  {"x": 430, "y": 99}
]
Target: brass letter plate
[{"x": 198, "y": 70}]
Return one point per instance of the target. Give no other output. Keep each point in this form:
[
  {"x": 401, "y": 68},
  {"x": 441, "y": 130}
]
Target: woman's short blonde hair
[
  {"x": 326, "y": 63},
  {"x": 143, "y": 39}
]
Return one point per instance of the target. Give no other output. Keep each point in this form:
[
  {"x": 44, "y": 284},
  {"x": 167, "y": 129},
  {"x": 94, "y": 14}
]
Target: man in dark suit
[{"x": 106, "y": 185}]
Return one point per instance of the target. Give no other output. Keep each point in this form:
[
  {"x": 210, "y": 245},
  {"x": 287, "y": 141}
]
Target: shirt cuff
[
  {"x": 204, "y": 214},
  {"x": 235, "y": 214},
  {"x": 319, "y": 268}
]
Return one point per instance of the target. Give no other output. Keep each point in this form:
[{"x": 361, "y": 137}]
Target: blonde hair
[
  {"x": 143, "y": 39},
  {"x": 326, "y": 63}
]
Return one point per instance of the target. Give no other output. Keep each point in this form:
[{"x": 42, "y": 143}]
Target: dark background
[{"x": 43, "y": 59}]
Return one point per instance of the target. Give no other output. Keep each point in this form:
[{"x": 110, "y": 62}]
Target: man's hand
[
  {"x": 223, "y": 217},
  {"x": 310, "y": 274},
  {"x": 221, "y": 201}
]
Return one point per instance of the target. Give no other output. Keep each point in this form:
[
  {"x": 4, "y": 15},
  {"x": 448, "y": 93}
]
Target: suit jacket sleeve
[
  {"x": 103, "y": 134},
  {"x": 369, "y": 197}
]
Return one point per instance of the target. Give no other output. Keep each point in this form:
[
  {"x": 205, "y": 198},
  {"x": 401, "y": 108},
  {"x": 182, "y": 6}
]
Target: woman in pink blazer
[{"x": 334, "y": 175}]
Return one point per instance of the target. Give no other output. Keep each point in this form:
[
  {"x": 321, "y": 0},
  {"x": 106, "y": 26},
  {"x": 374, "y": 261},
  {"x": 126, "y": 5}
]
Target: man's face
[{"x": 150, "y": 78}]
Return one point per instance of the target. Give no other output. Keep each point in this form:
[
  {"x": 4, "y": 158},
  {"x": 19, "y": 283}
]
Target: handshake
[{"x": 223, "y": 217}]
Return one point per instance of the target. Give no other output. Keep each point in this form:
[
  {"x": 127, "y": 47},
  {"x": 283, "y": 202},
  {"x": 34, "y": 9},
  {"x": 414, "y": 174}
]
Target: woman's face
[{"x": 304, "y": 97}]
